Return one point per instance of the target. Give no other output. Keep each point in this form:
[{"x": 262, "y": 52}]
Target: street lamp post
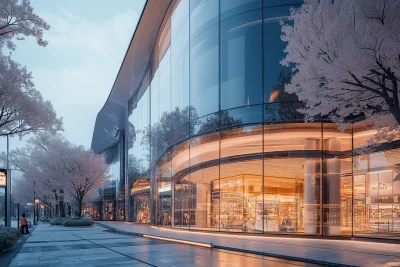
[
  {"x": 8, "y": 189},
  {"x": 34, "y": 215},
  {"x": 37, "y": 209}
]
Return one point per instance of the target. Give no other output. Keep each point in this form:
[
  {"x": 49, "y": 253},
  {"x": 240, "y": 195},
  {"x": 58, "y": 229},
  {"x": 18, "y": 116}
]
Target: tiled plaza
[{"x": 95, "y": 246}]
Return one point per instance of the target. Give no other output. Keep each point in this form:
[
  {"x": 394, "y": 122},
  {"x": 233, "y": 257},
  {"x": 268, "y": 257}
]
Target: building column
[
  {"x": 201, "y": 205},
  {"x": 311, "y": 191},
  {"x": 332, "y": 190}
]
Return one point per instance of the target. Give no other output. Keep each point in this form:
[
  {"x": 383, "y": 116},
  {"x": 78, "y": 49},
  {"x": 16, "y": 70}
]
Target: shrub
[
  {"x": 58, "y": 221},
  {"x": 8, "y": 237},
  {"x": 45, "y": 219},
  {"x": 78, "y": 222}
]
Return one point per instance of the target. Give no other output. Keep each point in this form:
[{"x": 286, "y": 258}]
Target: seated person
[{"x": 24, "y": 224}]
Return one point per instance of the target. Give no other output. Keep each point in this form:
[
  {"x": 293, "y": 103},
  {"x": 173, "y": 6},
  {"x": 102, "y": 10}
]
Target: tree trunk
[
  {"x": 80, "y": 207},
  {"x": 62, "y": 209},
  {"x": 69, "y": 209}
]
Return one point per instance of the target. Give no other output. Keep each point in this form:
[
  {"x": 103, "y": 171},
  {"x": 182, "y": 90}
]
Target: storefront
[
  {"x": 140, "y": 194},
  {"x": 213, "y": 142}
]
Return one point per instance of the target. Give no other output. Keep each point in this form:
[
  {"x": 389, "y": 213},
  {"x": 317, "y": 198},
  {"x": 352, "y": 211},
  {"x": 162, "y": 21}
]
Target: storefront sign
[
  {"x": 3, "y": 178},
  {"x": 382, "y": 187}
]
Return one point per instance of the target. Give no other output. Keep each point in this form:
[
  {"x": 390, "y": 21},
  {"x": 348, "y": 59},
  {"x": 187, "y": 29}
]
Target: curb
[
  {"x": 168, "y": 239},
  {"x": 213, "y": 246}
]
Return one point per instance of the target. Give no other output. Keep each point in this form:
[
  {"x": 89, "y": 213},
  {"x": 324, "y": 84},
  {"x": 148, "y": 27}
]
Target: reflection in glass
[
  {"x": 164, "y": 84},
  {"x": 180, "y": 57},
  {"x": 241, "y": 47},
  {"x": 204, "y": 54}
]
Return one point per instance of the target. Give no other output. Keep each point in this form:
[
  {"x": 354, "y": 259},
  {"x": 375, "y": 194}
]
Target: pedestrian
[{"x": 24, "y": 224}]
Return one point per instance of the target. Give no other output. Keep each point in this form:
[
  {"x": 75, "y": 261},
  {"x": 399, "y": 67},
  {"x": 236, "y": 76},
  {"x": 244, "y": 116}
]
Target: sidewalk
[
  {"x": 323, "y": 251},
  {"x": 94, "y": 246}
]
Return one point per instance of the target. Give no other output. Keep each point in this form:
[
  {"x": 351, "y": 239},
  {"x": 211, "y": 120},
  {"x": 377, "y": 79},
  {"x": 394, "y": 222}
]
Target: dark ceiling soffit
[{"x": 110, "y": 119}]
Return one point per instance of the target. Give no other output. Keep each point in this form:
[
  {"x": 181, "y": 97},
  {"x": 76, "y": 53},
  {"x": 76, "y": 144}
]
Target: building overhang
[{"x": 111, "y": 118}]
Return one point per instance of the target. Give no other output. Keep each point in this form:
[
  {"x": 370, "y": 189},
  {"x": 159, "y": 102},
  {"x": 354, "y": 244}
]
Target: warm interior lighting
[
  {"x": 205, "y": 245},
  {"x": 165, "y": 189},
  {"x": 273, "y": 96},
  {"x": 365, "y": 133}
]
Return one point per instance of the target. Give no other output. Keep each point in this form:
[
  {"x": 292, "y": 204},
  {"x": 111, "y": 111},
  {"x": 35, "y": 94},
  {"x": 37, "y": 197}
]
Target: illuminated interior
[{"x": 306, "y": 187}]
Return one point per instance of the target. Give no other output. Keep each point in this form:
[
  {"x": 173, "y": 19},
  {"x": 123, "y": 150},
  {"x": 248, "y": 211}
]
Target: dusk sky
[{"x": 87, "y": 42}]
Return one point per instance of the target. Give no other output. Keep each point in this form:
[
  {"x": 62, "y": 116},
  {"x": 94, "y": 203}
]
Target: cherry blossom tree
[
  {"x": 17, "y": 20},
  {"x": 22, "y": 107},
  {"x": 345, "y": 56},
  {"x": 83, "y": 171},
  {"x": 55, "y": 165},
  {"x": 34, "y": 161}
]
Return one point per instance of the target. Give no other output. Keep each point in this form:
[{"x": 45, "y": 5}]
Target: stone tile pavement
[
  {"x": 332, "y": 252},
  {"x": 95, "y": 246}
]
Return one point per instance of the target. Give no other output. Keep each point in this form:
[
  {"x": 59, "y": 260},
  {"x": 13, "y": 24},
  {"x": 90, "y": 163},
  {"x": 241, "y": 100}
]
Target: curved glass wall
[{"x": 216, "y": 144}]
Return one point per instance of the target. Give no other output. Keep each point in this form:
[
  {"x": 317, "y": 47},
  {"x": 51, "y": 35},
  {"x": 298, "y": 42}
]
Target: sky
[{"x": 87, "y": 43}]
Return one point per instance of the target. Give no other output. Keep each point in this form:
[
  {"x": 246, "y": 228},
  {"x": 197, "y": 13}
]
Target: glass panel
[
  {"x": 204, "y": 180},
  {"x": 164, "y": 85},
  {"x": 109, "y": 210},
  {"x": 141, "y": 209},
  {"x": 282, "y": 2},
  {"x": 164, "y": 193},
  {"x": 231, "y": 8},
  {"x": 241, "y": 207},
  {"x": 337, "y": 181},
  {"x": 244, "y": 115},
  {"x": 204, "y": 56},
  {"x": 154, "y": 119},
  {"x": 138, "y": 171},
  {"x": 376, "y": 185},
  {"x": 155, "y": 114},
  {"x": 2, "y": 205},
  {"x": 292, "y": 171},
  {"x": 242, "y": 141},
  {"x": 113, "y": 189},
  {"x": 207, "y": 123},
  {"x": 180, "y": 165},
  {"x": 276, "y": 76},
  {"x": 161, "y": 123},
  {"x": 179, "y": 133},
  {"x": 241, "y": 47},
  {"x": 283, "y": 112},
  {"x": 180, "y": 58}
]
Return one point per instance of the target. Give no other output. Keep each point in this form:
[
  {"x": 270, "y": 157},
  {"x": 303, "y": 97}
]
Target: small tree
[
  {"x": 56, "y": 165},
  {"x": 346, "y": 58},
  {"x": 83, "y": 170},
  {"x": 35, "y": 162}
]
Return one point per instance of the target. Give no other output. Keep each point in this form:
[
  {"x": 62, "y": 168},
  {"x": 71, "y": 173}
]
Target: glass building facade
[{"x": 211, "y": 141}]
